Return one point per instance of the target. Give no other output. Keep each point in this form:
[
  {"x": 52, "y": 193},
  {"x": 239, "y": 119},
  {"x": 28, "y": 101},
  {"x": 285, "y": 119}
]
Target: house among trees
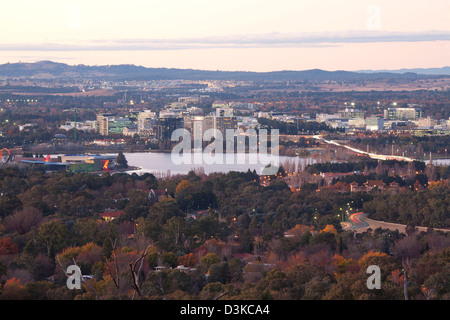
[
  {"x": 108, "y": 216},
  {"x": 394, "y": 187},
  {"x": 371, "y": 184},
  {"x": 331, "y": 177},
  {"x": 355, "y": 187},
  {"x": 185, "y": 269},
  {"x": 155, "y": 194}
]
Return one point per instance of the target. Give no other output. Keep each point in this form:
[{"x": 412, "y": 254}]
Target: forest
[{"x": 217, "y": 235}]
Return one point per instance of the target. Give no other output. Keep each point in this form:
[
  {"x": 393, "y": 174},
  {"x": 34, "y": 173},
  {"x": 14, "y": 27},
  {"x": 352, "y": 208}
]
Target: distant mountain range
[
  {"x": 425, "y": 71},
  {"x": 49, "y": 70}
]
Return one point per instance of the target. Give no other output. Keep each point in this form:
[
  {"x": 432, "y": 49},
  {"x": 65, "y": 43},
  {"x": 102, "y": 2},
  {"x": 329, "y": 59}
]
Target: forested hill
[{"x": 49, "y": 69}]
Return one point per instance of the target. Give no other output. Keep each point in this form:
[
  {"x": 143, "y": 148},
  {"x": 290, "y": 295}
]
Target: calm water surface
[{"x": 163, "y": 164}]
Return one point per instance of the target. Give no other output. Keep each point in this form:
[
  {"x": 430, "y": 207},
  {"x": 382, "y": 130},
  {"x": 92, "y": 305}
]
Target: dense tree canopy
[{"x": 211, "y": 234}]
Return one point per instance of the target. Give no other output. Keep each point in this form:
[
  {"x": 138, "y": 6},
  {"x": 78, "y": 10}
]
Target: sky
[{"x": 234, "y": 35}]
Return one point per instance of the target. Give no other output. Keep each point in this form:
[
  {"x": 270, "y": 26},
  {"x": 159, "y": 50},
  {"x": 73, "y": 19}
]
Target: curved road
[
  {"x": 370, "y": 154},
  {"x": 355, "y": 222},
  {"x": 359, "y": 222}
]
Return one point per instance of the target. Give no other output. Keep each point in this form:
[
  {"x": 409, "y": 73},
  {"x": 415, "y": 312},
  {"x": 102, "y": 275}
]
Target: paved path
[{"x": 360, "y": 223}]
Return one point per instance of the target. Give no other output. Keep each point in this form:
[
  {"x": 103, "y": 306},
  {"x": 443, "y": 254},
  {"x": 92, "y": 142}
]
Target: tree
[
  {"x": 38, "y": 290},
  {"x": 23, "y": 220},
  {"x": 324, "y": 238},
  {"x": 212, "y": 290},
  {"x": 151, "y": 228},
  {"x": 7, "y": 247},
  {"x": 170, "y": 259},
  {"x": 183, "y": 186},
  {"x": 54, "y": 235},
  {"x": 136, "y": 268},
  {"x": 188, "y": 260},
  {"x": 3, "y": 269},
  {"x": 316, "y": 288},
  {"x": 163, "y": 210},
  {"x": 235, "y": 268},
  {"x": 152, "y": 259},
  {"x": 219, "y": 272},
  {"x": 121, "y": 161},
  {"x": 14, "y": 290},
  {"x": 87, "y": 230},
  {"x": 8, "y": 204},
  {"x": 138, "y": 204},
  {"x": 175, "y": 227},
  {"x": 330, "y": 229},
  {"x": 406, "y": 250},
  {"x": 209, "y": 259}
]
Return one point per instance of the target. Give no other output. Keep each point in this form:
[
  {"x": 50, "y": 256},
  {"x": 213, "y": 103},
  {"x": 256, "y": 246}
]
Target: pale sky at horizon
[{"x": 246, "y": 35}]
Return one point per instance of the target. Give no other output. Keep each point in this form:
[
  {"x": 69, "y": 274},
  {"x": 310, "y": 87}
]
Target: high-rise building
[
  {"x": 198, "y": 122},
  {"x": 103, "y": 122},
  {"x": 167, "y": 125},
  {"x": 403, "y": 113},
  {"x": 374, "y": 123},
  {"x": 349, "y": 113},
  {"x": 109, "y": 123},
  {"x": 224, "y": 123},
  {"x": 117, "y": 125},
  {"x": 146, "y": 121},
  {"x": 210, "y": 122},
  {"x": 224, "y": 112},
  {"x": 426, "y": 122}
]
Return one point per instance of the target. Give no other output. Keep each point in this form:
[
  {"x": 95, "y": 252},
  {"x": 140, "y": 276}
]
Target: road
[
  {"x": 370, "y": 154},
  {"x": 359, "y": 222},
  {"x": 355, "y": 222}
]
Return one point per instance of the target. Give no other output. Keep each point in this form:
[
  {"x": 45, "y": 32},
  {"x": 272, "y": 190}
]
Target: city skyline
[{"x": 250, "y": 36}]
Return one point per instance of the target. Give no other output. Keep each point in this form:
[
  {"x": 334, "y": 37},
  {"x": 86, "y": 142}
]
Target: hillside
[{"x": 49, "y": 69}]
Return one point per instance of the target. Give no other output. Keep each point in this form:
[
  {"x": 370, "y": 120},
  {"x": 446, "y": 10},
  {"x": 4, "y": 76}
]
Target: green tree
[
  {"x": 169, "y": 259},
  {"x": 138, "y": 204},
  {"x": 54, "y": 236},
  {"x": 209, "y": 259},
  {"x": 163, "y": 210},
  {"x": 152, "y": 259},
  {"x": 121, "y": 161},
  {"x": 209, "y": 226},
  {"x": 89, "y": 230},
  {"x": 219, "y": 272},
  {"x": 212, "y": 291},
  {"x": 8, "y": 204},
  {"x": 174, "y": 229},
  {"x": 324, "y": 238}
]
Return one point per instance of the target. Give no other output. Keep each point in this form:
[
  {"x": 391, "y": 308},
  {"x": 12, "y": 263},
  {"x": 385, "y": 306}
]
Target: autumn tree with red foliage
[
  {"x": 7, "y": 247},
  {"x": 14, "y": 290},
  {"x": 188, "y": 260}
]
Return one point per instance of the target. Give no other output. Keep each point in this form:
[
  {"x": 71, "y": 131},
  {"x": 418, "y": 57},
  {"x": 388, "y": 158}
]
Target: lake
[{"x": 162, "y": 164}]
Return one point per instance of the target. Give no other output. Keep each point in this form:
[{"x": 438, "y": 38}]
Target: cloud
[{"x": 270, "y": 40}]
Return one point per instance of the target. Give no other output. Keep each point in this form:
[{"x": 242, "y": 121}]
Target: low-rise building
[{"x": 109, "y": 216}]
